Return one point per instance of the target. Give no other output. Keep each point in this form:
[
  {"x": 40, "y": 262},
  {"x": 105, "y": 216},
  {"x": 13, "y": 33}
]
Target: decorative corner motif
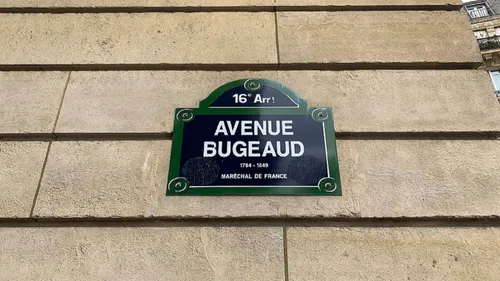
[
  {"x": 321, "y": 114},
  {"x": 185, "y": 115},
  {"x": 327, "y": 185},
  {"x": 178, "y": 185},
  {"x": 252, "y": 85}
]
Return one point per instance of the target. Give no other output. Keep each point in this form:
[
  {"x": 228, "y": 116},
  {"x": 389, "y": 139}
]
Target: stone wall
[{"x": 88, "y": 91}]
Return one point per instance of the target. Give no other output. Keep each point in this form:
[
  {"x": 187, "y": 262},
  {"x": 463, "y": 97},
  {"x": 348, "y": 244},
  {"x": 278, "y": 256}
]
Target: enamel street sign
[{"x": 253, "y": 137}]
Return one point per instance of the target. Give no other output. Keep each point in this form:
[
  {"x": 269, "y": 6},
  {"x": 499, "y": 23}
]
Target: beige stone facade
[{"x": 88, "y": 91}]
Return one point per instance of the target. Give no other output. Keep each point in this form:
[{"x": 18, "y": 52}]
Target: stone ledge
[
  {"x": 142, "y": 253},
  {"x": 447, "y": 254},
  {"x": 363, "y": 101},
  {"x": 429, "y": 178},
  {"x": 354, "y": 3},
  {"x": 223, "y": 3}
]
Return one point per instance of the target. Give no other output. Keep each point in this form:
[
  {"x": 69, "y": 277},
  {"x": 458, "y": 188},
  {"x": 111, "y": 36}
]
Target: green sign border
[{"x": 177, "y": 185}]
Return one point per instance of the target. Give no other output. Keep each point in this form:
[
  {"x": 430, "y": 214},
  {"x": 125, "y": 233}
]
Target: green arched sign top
[{"x": 254, "y": 94}]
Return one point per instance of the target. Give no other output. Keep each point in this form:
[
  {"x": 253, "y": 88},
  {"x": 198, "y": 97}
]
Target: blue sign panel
[{"x": 254, "y": 137}]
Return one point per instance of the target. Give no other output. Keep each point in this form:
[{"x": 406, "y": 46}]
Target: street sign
[{"x": 253, "y": 137}]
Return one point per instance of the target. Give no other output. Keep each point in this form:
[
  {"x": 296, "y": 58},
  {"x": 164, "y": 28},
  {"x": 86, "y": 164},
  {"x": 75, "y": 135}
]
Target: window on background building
[
  {"x": 480, "y": 34},
  {"x": 497, "y": 31},
  {"x": 478, "y": 11},
  {"x": 495, "y": 78}
]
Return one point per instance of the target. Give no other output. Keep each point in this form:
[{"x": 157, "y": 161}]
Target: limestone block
[
  {"x": 368, "y": 253},
  {"x": 401, "y": 100},
  {"x": 376, "y": 37},
  {"x": 30, "y": 101},
  {"x": 94, "y": 179},
  {"x": 135, "y": 3},
  {"x": 363, "y": 100},
  {"x": 156, "y": 252},
  {"x": 20, "y": 170},
  {"x": 380, "y": 178},
  {"x": 382, "y": 3},
  {"x": 219, "y": 3},
  {"x": 136, "y": 101},
  {"x": 137, "y": 38}
]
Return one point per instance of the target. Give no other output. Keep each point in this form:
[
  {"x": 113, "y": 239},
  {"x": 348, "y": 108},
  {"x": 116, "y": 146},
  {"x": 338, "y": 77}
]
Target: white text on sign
[
  {"x": 257, "y": 98},
  {"x": 253, "y": 148}
]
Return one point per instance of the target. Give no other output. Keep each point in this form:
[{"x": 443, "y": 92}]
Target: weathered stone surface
[
  {"x": 363, "y": 101},
  {"x": 219, "y": 3},
  {"x": 376, "y": 37},
  {"x": 366, "y": 253},
  {"x": 368, "y": 2},
  {"x": 136, "y": 101},
  {"x": 401, "y": 100},
  {"x": 141, "y": 253},
  {"x": 94, "y": 179},
  {"x": 30, "y": 101},
  {"x": 423, "y": 178},
  {"x": 138, "y": 3},
  {"x": 137, "y": 38},
  {"x": 380, "y": 178},
  {"x": 20, "y": 170}
]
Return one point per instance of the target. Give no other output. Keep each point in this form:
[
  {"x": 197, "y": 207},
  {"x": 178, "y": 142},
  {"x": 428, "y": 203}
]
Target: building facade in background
[{"x": 484, "y": 16}]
